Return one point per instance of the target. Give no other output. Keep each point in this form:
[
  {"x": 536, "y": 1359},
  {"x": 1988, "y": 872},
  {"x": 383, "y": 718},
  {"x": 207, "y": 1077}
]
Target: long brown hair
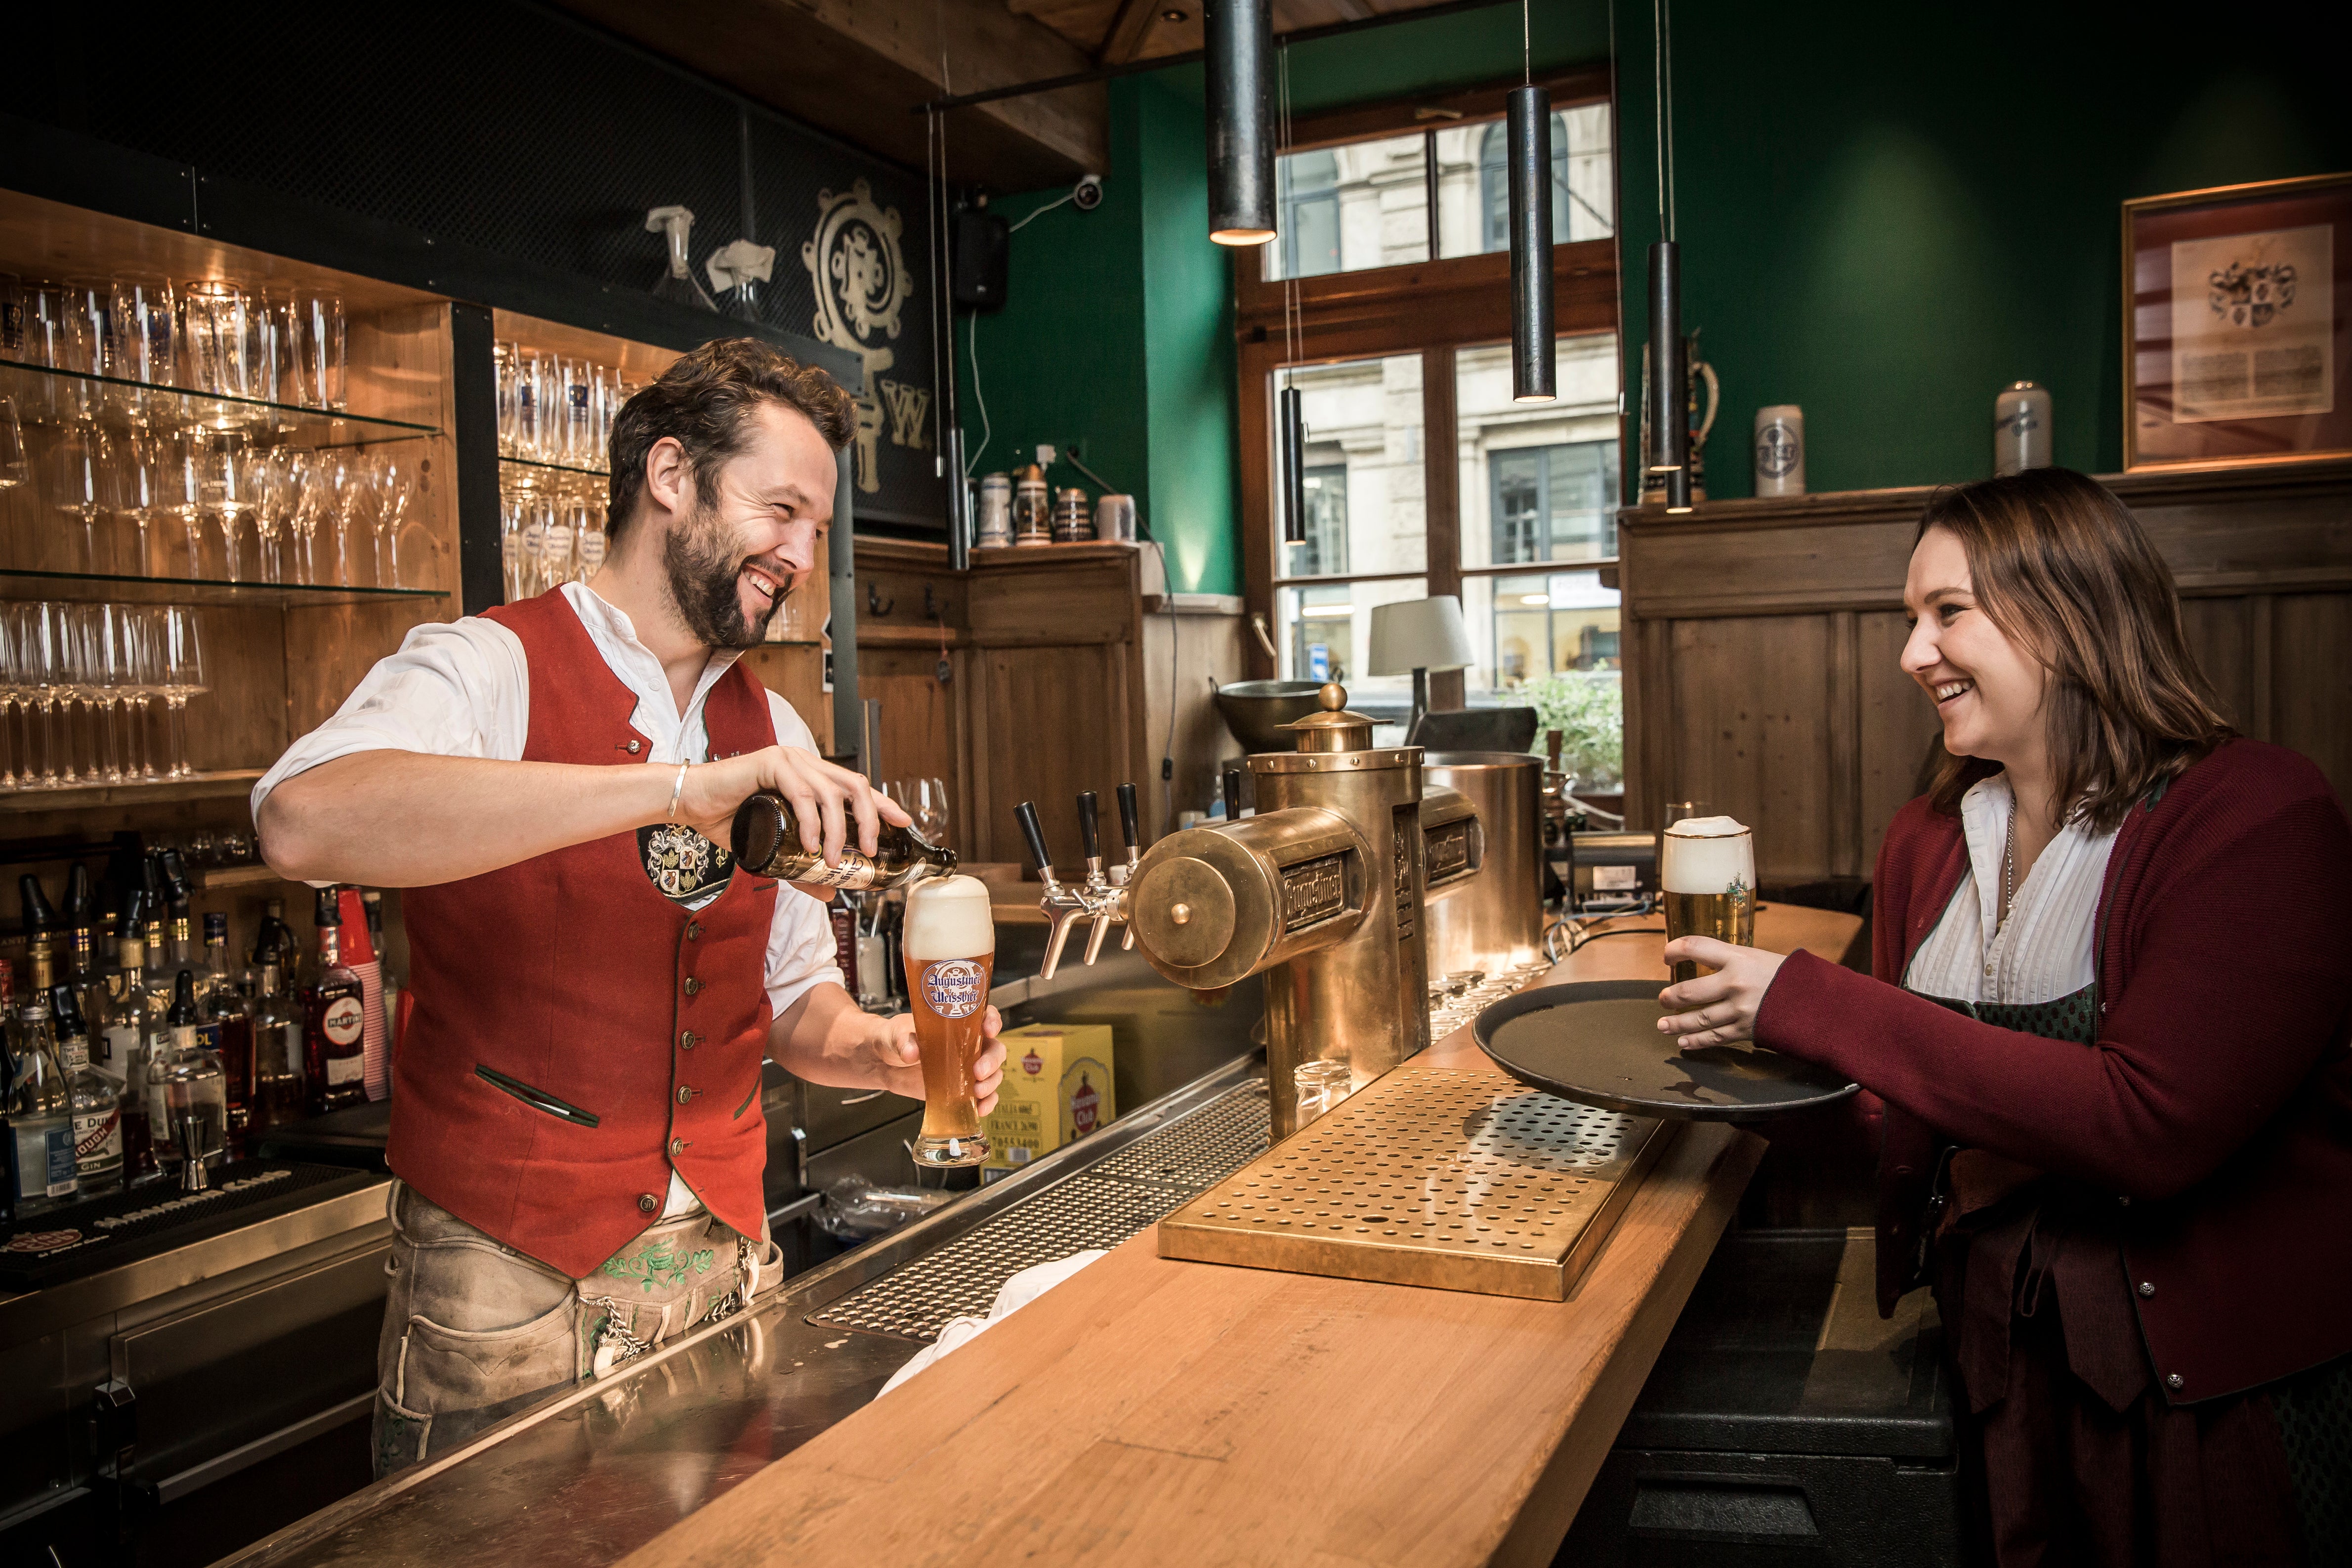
[{"x": 2065, "y": 569}]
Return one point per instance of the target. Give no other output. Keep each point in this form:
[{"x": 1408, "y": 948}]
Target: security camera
[{"x": 1087, "y": 193}]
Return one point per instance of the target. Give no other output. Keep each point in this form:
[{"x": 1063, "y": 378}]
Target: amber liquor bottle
[{"x": 334, "y": 1020}]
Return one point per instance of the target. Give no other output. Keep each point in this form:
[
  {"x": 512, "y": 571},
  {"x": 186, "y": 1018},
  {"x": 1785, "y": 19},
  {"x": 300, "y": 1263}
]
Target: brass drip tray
[{"x": 1462, "y": 1179}]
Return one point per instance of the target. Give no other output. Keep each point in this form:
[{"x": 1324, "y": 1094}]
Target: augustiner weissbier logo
[{"x": 952, "y": 988}]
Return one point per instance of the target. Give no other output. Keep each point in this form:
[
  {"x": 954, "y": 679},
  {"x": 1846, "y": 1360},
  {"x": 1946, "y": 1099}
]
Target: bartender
[
  {"x": 2110, "y": 1032},
  {"x": 576, "y": 1128}
]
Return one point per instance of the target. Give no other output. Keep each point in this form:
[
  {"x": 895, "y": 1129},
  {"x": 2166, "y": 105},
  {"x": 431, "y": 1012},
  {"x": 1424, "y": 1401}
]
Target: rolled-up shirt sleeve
[
  {"x": 800, "y": 951},
  {"x": 455, "y": 689}
]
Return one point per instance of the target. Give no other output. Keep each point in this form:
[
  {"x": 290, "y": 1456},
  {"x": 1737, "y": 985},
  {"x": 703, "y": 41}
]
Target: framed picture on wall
[{"x": 2238, "y": 325}]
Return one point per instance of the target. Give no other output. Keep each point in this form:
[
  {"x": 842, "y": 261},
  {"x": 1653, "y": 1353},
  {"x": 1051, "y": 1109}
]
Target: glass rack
[
  {"x": 94, "y": 587},
  {"x": 45, "y": 395}
]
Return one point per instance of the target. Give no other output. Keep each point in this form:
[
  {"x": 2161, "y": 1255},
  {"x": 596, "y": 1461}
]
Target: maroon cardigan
[{"x": 2217, "y": 1104}]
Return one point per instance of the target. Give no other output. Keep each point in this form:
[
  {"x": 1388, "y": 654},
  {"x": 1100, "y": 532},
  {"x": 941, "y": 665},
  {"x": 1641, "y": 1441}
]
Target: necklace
[{"x": 2008, "y": 874}]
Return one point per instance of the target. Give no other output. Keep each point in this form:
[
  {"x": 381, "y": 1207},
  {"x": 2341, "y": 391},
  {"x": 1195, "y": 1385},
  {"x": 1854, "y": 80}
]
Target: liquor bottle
[
  {"x": 334, "y": 1021},
  {"x": 186, "y": 1091},
  {"x": 82, "y": 970},
  {"x": 274, "y": 943},
  {"x": 276, "y": 1055},
  {"x": 768, "y": 842},
  {"x": 225, "y": 1028},
  {"x": 387, "y": 982},
  {"x": 40, "y": 1113},
  {"x": 173, "y": 872},
  {"x": 92, "y": 1100},
  {"x": 41, "y": 934},
  {"x": 132, "y": 1026}
]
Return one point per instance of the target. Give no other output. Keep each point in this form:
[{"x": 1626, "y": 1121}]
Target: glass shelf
[
  {"x": 92, "y": 587},
  {"x": 222, "y": 785},
  {"x": 554, "y": 468},
  {"x": 46, "y": 395}
]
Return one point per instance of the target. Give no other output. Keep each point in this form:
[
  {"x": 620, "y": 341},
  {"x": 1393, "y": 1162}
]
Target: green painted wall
[{"x": 1887, "y": 215}]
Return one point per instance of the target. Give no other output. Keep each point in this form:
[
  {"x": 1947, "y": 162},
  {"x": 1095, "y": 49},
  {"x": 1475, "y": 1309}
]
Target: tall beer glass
[
  {"x": 949, "y": 944},
  {"x": 1706, "y": 865}
]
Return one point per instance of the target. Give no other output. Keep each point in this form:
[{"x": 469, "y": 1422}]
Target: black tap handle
[
  {"x": 1127, "y": 822},
  {"x": 1089, "y": 825},
  {"x": 1233, "y": 795},
  {"x": 1035, "y": 832}
]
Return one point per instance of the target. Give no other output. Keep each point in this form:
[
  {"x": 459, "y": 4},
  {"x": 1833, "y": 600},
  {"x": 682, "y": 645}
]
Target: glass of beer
[
  {"x": 949, "y": 944},
  {"x": 1706, "y": 865}
]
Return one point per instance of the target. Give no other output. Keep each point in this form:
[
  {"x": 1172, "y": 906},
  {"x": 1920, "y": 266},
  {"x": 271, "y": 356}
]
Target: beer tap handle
[
  {"x": 1035, "y": 832},
  {"x": 1233, "y": 795},
  {"x": 1127, "y": 821},
  {"x": 1090, "y": 828}
]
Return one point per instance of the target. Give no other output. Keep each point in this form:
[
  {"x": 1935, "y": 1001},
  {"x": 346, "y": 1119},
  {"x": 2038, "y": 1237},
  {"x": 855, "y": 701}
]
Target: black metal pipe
[
  {"x": 1532, "y": 368},
  {"x": 1668, "y": 446},
  {"x": 1240, "y": 121},
  {"x": 1293, "y": 467},
  {"x": 959, "y": 503}
]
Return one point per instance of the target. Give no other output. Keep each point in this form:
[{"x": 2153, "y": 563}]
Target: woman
[{"x": 2110, "y": 1031}]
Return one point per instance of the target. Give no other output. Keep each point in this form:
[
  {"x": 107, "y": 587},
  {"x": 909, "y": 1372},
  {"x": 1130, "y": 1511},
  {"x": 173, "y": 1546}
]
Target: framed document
[{"x": 2238, "y": 325}]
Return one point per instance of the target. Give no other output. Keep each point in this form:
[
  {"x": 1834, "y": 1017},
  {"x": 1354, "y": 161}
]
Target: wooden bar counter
[{"x": 1153, "y": 1411}]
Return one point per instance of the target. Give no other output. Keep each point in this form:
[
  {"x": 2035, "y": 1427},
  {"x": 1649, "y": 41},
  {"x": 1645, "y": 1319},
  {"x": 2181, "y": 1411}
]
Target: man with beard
[{"x": 576, "y": 1130}]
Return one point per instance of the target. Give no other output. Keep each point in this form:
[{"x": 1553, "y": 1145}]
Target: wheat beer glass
[
  {"x": 950, "y": 943},
  {"x": 1706, "y": 865}
]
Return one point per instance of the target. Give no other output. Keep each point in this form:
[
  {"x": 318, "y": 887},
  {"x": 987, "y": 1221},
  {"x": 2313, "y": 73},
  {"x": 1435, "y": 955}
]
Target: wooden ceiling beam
[{"x": 1129, "y": 31}]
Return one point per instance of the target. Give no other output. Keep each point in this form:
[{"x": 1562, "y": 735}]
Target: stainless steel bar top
[{"x": 599, "y": 1471}]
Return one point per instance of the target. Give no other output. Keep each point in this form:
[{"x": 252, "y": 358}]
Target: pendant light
[
  {"x": 1240, "y": 121},
  {"x": 1529, "y": 153},
  {"x": 1667, "y": 449},
  {"x": 1293, "y": 467}
]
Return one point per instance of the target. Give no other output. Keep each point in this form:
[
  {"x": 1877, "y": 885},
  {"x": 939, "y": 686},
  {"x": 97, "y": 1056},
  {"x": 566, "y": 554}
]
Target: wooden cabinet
[
  {"x": 1058, "y": 680},
  {"x": 1763, "y": 637}
]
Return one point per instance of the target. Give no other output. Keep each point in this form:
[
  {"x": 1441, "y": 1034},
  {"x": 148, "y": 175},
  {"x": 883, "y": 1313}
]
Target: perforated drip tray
[
  {"x": 1101, "y": 1205},
  {"x": 1457, "y": 1178}
]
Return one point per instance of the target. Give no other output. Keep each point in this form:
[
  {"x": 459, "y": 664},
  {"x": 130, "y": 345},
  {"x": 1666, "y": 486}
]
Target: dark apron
[{"x": 1994, "y": 1228}]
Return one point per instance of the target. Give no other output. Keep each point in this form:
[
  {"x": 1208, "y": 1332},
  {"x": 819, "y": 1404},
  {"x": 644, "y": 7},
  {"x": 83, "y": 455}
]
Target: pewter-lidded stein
[
  {"x": 1032, "y": 521},
  {"x": 996, "y": 509},
  {"x": 1074, "y": 522}
]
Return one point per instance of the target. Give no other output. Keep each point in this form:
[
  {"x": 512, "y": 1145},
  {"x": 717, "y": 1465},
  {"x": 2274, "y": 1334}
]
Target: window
[
  {"x": 1347, "y": 208},
  {"x": 1581, "y": 204},
  {"x": 1554, "y": 503},
  {"x": 1324, "y": 551}
]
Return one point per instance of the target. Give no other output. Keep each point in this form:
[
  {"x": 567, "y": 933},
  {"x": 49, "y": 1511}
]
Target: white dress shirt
[
  {"x": 462, "y": 689},
  {"x": 2046, "y": 949}
]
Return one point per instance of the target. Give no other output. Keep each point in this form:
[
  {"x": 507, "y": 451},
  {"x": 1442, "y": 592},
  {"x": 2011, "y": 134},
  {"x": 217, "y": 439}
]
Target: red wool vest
[{"x": 576, "y": 1033}]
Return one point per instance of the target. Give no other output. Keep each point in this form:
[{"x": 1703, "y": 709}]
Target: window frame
[{"x": 1432, "y": 307}]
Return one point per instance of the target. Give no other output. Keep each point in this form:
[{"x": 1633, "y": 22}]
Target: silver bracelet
[{"x": 677, "y": 789}]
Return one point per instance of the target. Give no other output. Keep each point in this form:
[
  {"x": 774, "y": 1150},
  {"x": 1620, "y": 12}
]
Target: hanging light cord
[
  {"x": 935, "y": 205},
  {"x": 1290, "y": 323},
  {"x": 1526, "y": 47},
  {"x": 1669, "y": 52}
]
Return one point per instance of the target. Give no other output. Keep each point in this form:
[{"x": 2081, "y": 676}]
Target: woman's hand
[
  {"x": 1721, "y": 1007},
  {"x": 898, "y": 1063},
  {"x": 825, "y": 799}
]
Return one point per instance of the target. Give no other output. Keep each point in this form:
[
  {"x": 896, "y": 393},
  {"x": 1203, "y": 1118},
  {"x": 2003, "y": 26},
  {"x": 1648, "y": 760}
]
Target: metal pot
[{"x": 1256, "y": 710}]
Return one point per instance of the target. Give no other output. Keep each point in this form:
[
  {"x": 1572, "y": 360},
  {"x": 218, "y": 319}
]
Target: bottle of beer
[{"x": 766, "y": 842}]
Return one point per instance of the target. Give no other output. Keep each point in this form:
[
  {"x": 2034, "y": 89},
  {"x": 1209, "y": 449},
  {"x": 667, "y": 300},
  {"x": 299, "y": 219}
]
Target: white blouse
[{"x": 2046, "y": 948}]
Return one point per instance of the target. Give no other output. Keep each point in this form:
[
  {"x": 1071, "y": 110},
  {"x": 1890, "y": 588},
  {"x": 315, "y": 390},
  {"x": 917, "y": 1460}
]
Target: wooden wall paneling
[
  {"x": 1843, "y": 735},
  {"x": 1648, "y": 685},
  {"x": 920, "y": 733},
  {"x": 1185, "y": 658},
  {"x": 240, "y": 721},
  {"x": 2261, "y": 658},
  {"x": 1059, "y": 600},
  {"x": 795, "y": 672},
  {"x": 1750, "y": 716},
  {"x": 328, "y": 649},
  {"x": 1058, "y": 720},
  {"x": 2311, "y": 697},
  {"x": 1899, "y": 730},
  {"x": 2220, "y": 638}
]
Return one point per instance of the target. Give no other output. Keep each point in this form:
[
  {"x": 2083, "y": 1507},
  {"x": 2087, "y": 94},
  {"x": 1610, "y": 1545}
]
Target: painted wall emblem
[{"x": 857, "y": 269}]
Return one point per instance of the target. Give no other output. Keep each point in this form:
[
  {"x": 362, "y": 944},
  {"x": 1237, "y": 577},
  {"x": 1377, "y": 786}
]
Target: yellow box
[{"x": 1057, "y": 1089}]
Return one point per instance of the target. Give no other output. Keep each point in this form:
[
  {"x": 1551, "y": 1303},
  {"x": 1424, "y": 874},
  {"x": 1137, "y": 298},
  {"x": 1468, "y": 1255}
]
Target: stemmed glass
[
  {"x": 395, "y": 483},
  {"x": 275, "y": 490},
  {"x": 180, "y": 485},
  {"x": 13, "y": 469},
  {"x": 184, "y": 676},
  {"x": 139, "y": 480},
  {"x": 307, "y": 500},
  {"x": 340, "y": 486},
  {"x": 142, "y": 663},
  {"x": 226, "y": 473},
  {"x": 929, "y": 808},
  {"x": 78, "y": 482},
  {"x": 104, "y": 673},
  {"x": 13, "y": 696},
  {"x": 46, "y": 674}
]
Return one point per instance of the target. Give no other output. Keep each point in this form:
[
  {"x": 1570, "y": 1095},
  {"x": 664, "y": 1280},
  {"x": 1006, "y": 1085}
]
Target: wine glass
[
  {"x": 341, "y": 486},
  {"x": 929, "y": 808},
  {"x": 394, "y": 486},
  {"x": 105, "y": 673},
  {"x": 15, "y": 695},
  {"x": 184, "y": 676},
  {"x": 276, "y": 488},
  {"x": 13, "y": 469},
  {"x": 227, "y": 482},
  {"x": 79, "y": 460},
  {"x": 46, "y": 674},
  {"x": 143, "y": 662},
  {"x": 145, "y": 325}
]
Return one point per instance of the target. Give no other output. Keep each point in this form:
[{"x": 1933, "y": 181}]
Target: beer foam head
[
  {"x": 947, "y": 918},
  {"x": 1706, "y": 855}
]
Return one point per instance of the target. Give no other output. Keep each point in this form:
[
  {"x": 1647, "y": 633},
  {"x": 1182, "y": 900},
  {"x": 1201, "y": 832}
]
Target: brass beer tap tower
[{"x": 1322, "y": 890}]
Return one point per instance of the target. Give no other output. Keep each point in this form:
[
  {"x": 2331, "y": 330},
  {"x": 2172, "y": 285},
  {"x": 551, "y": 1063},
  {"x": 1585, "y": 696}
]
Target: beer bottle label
[
  {"x": 856, "y": 870},
  {"x": 953, "y": 988}
]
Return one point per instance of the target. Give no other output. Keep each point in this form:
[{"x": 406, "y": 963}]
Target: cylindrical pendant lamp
[
  {"x": 1668, "y": 447},
  {"x": 1531, "y": 328},
  {"x": 1240, "y": 121},
  {"x": 1293, "y": 467}
]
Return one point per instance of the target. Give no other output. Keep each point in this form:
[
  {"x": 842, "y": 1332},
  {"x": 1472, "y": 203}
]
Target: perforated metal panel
[
  {"x": 1458, "y": 1178},
  {"x": 1101, "y": 1206}
]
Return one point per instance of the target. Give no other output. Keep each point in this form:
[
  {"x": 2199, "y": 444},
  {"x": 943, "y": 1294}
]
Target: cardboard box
[{"x": 1057, "y": 1089}]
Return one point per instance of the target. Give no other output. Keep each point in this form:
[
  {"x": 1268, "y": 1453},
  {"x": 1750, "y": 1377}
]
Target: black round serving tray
[{"x": 1597, "y": 1042}]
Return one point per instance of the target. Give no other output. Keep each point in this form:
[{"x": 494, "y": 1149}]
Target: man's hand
[
  {"x": 825, "y": 799},
  {"x": 1722, "y": 1004},
  {"x": 898, "y": 1062}
]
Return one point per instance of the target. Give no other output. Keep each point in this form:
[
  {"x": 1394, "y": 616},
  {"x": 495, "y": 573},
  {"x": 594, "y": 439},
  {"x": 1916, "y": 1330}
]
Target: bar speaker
[{"x": 980, "y": 259}]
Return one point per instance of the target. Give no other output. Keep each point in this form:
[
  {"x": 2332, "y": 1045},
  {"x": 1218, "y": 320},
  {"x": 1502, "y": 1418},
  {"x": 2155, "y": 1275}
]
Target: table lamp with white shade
[{"x": 1415, "y": 637}]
